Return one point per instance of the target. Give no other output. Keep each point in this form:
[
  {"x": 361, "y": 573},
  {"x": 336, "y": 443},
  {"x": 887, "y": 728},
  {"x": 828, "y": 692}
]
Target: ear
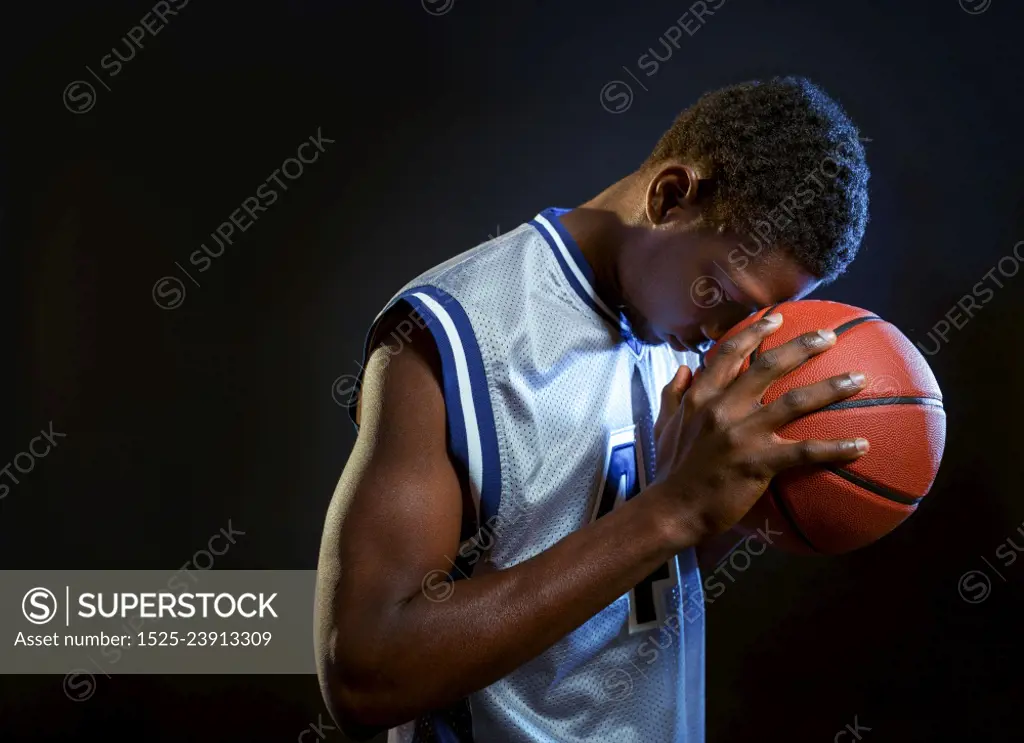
[{"x": 672, "y": 194}]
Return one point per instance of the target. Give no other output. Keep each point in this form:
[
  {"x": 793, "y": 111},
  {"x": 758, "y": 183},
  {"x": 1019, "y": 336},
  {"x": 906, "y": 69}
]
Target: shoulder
[{"x": 402, "y": 359}]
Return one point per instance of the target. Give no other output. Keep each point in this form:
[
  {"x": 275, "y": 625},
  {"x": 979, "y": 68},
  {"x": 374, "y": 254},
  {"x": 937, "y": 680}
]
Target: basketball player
[{"x": 510, "y": 553}]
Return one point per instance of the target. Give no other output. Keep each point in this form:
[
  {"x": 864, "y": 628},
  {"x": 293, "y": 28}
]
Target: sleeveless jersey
[{"x": 542, "y": 382}]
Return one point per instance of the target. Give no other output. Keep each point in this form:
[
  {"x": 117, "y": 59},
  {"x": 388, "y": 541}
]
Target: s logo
[{"x": 39, "y": 605}]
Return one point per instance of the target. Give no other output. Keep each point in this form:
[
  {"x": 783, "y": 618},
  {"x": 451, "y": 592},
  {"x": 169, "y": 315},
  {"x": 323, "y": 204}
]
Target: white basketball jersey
[{"x": 542, "y": 381}]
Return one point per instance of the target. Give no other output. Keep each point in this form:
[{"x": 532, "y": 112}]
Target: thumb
[{"x": 672, "y": 394}]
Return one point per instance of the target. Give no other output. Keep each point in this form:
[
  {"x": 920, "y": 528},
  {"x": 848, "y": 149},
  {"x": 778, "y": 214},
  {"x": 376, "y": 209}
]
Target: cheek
[
  {"x": 697, "y": 296},
  {"x": 647, "y": 287},
  {"x": 670, "y": 295}
]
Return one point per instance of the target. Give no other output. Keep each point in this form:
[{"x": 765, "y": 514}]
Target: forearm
[{"x": 427, "y": 653}]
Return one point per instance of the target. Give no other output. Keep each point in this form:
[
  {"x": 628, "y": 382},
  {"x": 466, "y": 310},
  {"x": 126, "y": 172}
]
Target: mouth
[
  {"x": 699, "y": 347},
  {"x": 688, "y": 339}
]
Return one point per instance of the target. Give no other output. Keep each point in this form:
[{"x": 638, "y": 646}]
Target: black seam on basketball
[
  {"x": 873, "y": 487},
  {"x": 854, "y": 323},
  {"x": 781, "y": 507},
  {"x": 930, "y": 402}
]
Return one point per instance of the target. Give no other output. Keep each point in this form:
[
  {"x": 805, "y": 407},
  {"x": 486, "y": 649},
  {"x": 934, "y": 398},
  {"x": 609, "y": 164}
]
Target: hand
[{"x": 717, "y": 449}]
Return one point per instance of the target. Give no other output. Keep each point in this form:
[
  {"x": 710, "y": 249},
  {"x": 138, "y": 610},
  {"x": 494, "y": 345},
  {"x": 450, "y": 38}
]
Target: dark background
[{"x": 448, "y": 128}]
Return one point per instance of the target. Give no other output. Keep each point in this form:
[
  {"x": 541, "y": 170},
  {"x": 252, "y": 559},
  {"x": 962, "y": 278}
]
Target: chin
[{"x": 645, "y": 334}]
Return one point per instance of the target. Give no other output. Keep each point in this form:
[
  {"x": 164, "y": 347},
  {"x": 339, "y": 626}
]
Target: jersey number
[{"x": 624, "y": 477}]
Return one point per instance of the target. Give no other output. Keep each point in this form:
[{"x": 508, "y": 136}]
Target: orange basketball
[{"x": 837, "y": 508}]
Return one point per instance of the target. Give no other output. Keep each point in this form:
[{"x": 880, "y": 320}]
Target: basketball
[{"x": 838, "y": 508}]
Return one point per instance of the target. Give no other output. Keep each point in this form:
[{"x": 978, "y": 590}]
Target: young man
[{"x": 506, "y": 439}]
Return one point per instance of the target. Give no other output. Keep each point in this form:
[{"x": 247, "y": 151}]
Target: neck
[{"x": 599, "y": 227}]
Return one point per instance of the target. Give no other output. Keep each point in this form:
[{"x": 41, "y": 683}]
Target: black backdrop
[{"x": 451, "y": 123}]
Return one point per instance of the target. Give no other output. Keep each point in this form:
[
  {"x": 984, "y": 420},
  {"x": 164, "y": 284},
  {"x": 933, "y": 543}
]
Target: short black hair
[{"x": 787, "y": 168}]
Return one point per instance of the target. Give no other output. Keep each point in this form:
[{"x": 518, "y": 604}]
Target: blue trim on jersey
[
  {"x": 472, "y": 430},
  {"x": 581, "y": 264},
  {"x": 474, "y": 442},
  {"x": 444, "y": 732}
]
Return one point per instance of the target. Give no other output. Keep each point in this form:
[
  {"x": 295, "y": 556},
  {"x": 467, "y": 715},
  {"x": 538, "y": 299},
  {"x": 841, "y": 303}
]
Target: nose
[{"x": 711, "y": 331}]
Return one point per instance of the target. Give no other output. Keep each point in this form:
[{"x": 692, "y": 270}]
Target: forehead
[{"x": 763, "y": 274}]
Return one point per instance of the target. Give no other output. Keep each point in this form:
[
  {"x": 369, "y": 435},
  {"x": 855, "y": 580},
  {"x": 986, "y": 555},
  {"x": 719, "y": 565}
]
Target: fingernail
[
  {"x": 827, "y": 335},
  {"x": 773, "y": 319},
  {"x": 862, "y": 445},
  {"x": 857, "y": 378}
]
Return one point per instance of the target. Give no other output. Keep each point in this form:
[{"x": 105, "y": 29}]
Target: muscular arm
[{"x": 387, "y": 652}]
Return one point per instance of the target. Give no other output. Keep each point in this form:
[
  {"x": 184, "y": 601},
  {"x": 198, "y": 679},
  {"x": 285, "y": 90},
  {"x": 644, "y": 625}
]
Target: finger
[
  {"x": 731, "y": 353},
  {"x": 672, "y": 393},
  {"x": 815, "y": 451},
  {"x": 672, "y": 397},
  {"x": 771, "y": 365},
  {"x": 804, "y": 400}
]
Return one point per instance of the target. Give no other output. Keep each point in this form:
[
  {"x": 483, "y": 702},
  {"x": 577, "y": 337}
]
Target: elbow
[
  {"x": 352, "y": 711},
  {"x": 366, "y": 688},
  {"x": 357, "y": 704}
]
